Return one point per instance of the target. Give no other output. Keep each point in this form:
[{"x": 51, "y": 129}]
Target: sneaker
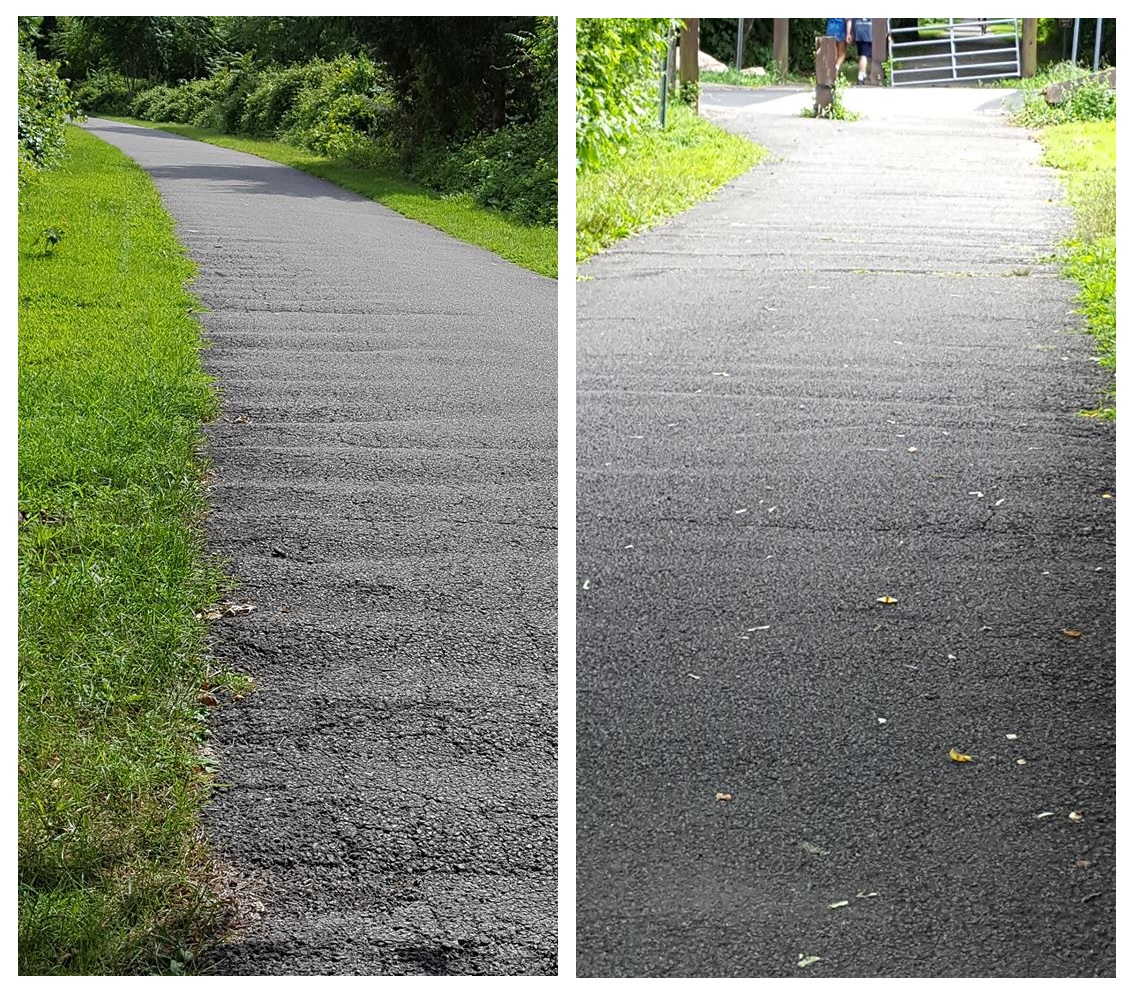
[{"x": 860, "y": 78}]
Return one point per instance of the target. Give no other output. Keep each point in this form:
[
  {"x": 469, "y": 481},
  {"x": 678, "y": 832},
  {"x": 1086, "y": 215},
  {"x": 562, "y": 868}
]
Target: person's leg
[{"x": 840, "y": 59}]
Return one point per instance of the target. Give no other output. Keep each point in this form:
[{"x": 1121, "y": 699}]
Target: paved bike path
[
  {"x": 385, "y": 491},
  {"x": 853, "y": 374}
]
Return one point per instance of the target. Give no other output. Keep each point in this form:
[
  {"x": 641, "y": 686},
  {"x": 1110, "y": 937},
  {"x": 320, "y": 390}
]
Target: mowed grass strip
[
  {"x": 113, "y": 875},
  {"x": 1086, "y": 153},
  {"x": 532, "y": 247},
  {"x": 661, "y": 173}
]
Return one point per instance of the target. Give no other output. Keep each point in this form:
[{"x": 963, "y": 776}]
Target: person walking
[
  {"x": 859, "y": 31},
  {"x": 837, "y": 29}
]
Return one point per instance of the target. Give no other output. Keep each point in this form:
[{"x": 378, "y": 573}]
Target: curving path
[
  {"x": 385, "y": 491},
  {"x": 853, "y": 374}
]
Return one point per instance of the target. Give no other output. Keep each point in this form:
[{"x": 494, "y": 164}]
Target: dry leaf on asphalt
[
  {"x": 804, "y": 960},
  {"x": 225, "y": 609},
  {"x": 839, "y": 903},
  {"x": 1076, "y": 817},
  {"x": 959, "y": 758},
  {"x": 206, "y": 698},
  {"x": 1072, "y": 633},
  {"x": 866, "y": 895},
  {"x": 723, "y": 796},
  {"x": 886, "y": 600},
  {"x": 1044, "y": 815}
]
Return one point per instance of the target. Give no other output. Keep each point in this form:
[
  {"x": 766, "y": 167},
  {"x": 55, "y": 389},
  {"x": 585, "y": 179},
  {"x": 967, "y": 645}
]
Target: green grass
[
  {"x": 661, "y": 173},
  {"x": 113, "y": 875},
  {"x": 532, "y": 247},
  {"x": 734, "y": 78},
  {"x": 1086, "y": 154}
]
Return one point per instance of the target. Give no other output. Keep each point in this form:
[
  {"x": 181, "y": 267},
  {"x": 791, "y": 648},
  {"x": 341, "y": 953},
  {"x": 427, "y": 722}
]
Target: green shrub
[
  {"x": 44, "y": 106},
  {"x": 1089, "y": 101},
  {"x": 514, "y": 169},
  {"x": 343, "y": 112},
  {"x": 105, "y": 91},
  {"x": 618, "y": 68}
]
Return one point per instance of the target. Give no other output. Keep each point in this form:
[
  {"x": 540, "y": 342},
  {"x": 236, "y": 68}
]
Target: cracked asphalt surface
[
  {"x": 385, "y": 490},
  {"x": 854, "y": 374}
]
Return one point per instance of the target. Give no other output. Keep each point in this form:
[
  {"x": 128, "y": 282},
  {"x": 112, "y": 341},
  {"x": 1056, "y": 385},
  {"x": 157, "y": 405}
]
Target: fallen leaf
[
  {"x": 225, "y": 609},
  {"x": 806, "y": 960},
  {"x": 952, "y": 656},
  {"x": 585, "y": 585},
  {"x": 723, "y": 374},
  {"x": 694, "y": 677},
  {"x": 723, "y": 796},
  {"x": 1044, "y": 815},
  {"x": 839, "y": 903},
  {"x": 1012, "y": 736},
  {"x": 1106, "y": 496},
  {"x": 999, "y": 502},
  {"x": 881, "y": 721},
  {"x": 1072, "y": 633},
  {"x": 913, "y": 451},
  {"x": 741, "y": 510},
  {"x": 975, "y": 493},
  {"x": 866, "y": 895},
  {"x": 959, "y": 758},
  {"x": 1076, "y": 817},
  {"x": 758, "y": 628},
  {"x": 1020, "y": 760},
  {"x": 1081, "y": 863},
  {"x": 206, "y": 698},
  {"x": 886, "y": 600}
]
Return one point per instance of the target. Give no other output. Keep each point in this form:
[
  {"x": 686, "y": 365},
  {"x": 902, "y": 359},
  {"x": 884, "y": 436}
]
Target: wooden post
[
  {"x": 880, "y": 50},
  {"x": 782, "y": 46},
  {"x": 1029, "y": 51},
  {"x": 690, "y": 57},
  {"x": 825, "y": 73}
]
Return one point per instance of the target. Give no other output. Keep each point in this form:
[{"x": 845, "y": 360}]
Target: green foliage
[
  {"x": 113, "y": 877},
  {"x": 834, "y": 111},
  {"x": 341, "y": 110},
  {"x": 662, "y": 172},
  {"x": 734, "y": 78},
  {"x": 1091, "y": 100},
  {"x": 44, "y": 106},
  {"x": 104, "y": 90},
  {"x": 719, "y": 35},
  {"x": 464, "y": 104},
  {"x": 618, "y": 71},
  {"x": 1086, "y": 154},
  {"x": 160, "y": 49}
]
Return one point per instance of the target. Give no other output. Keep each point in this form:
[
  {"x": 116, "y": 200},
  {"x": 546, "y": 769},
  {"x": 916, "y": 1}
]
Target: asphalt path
[
  {"x": 854, "y": 374},
  {"x": 385, "y": 492}
]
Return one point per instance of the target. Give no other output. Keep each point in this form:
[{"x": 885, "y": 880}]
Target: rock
[{"x": 753, "y": 71}]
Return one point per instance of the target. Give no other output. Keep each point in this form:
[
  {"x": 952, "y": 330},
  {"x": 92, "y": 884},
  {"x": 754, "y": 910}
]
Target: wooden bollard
[{"x": 825, "y": 73}]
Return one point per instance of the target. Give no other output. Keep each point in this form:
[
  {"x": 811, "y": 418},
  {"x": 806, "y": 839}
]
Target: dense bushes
[
  {"x": 462, "y": 105},
  {"x": 44, "y": 105},
  {"x": 618, "y": 64},
  {"x": 1087, "y": 99}
]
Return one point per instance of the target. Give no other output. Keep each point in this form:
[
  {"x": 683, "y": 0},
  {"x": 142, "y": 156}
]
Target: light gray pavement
[
  {"x": 385, "y": 490},
  {"x": 854, "y": 373}
]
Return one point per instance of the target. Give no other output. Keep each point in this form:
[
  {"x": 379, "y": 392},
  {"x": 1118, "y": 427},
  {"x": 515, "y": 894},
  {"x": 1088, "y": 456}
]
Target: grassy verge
[
  {"x": 1086, "y": 153},
  {"x": 112, "y": 873},
  {"x": 661, "y": 173},
  {"x": 532, "y": 247},
  {"x": 735, "y": 78}
]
